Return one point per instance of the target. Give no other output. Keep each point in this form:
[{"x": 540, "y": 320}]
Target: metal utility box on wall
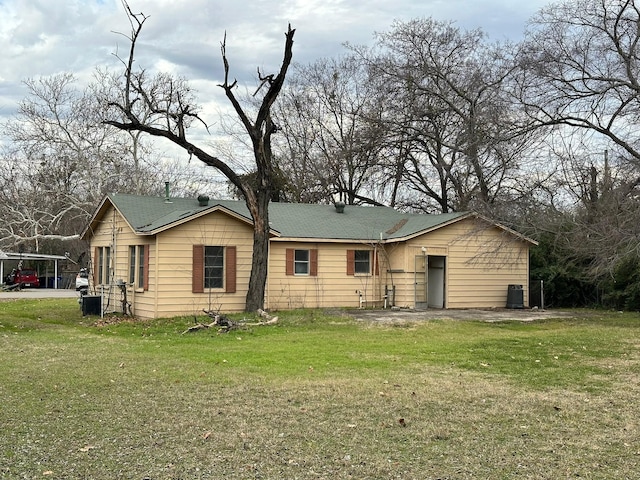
[
  {"x": 91, "y": 305},
  {"x": 515, "y": 296}
]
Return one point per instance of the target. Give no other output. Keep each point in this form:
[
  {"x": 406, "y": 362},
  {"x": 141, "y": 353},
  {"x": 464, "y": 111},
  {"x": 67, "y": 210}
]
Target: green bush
[{"x": 622, "y": 292}]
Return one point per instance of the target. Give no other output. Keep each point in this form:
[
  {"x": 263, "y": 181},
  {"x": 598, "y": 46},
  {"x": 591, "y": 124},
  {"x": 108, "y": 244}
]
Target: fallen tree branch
[{"x": 225, "y": 324}]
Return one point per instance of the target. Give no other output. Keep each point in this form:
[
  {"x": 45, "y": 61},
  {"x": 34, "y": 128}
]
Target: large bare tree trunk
[
  {"x": 163, "y": 107},
  {"x": 259, "y": 260}
]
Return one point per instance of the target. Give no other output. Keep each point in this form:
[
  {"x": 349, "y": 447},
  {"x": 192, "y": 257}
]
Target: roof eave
[
  {"x": 199, "y": 214},
  {"x": 97, "y": 214},
  {"x": 423, "y": 231},
  {"x": 511, "y": 231},
  {"x": 360, "y": 241}
]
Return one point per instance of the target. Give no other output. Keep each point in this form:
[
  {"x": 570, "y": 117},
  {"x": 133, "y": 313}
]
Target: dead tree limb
[{"x": 225, "y": 324}]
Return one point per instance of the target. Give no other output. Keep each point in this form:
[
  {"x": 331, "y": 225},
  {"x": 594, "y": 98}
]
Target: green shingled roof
[{"x": 148, "y": 215}]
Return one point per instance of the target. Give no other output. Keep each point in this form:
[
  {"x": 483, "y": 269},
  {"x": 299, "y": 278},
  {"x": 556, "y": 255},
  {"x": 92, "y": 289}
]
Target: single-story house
[{"x": 178, "y": 256}]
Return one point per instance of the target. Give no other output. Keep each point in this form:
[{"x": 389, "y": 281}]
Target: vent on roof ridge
[
  {"x": 203, "y": 200},
  {"x": 167, "y": 196},
  {"x": 339, "y": 206}
]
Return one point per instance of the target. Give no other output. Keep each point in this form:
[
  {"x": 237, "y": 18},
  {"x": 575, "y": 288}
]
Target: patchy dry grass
[{"x": 317, "y": 397}]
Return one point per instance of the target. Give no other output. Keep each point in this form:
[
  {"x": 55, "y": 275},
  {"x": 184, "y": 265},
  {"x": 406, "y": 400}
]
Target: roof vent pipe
[
  {"x": 339, "y": 206},
  {"x": 203, "y": 200},
  {"x": 167, "y": 197}
]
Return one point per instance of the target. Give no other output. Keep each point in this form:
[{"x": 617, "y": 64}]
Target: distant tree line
[{"x": 541, "y": 135}]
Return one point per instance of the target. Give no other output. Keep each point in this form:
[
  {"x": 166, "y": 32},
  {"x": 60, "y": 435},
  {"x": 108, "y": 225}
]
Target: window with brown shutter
[
  {"x": 359, "y": 262},
  {"x": 214, "y": 267},
  {"x": 301, "y": 262},
  {"x": 289, "y": 261},
  {"x": 197, "y": 278},
  {"x": 139, "y": 266},
  {"x": 102, "y": 266},
  {"x": 145, "y": 273},
  {"x": 230, "y": 270},
  {"x": 351, "y": 255},
  {"x": 313, "y": 262},
  {"x": 95, "y": 265}
]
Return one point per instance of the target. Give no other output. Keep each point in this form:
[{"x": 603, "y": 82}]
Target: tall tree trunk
[
  {"x": 259, "y": 260},
  {"x": 171, "y": 121}
]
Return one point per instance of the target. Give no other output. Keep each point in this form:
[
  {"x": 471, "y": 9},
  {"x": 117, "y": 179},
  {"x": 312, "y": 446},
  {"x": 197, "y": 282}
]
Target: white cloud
[{"x": 44, "y": 37}]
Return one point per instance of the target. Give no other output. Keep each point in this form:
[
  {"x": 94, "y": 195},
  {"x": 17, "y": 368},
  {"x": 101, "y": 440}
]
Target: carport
[{"x": 32, "y": 257}]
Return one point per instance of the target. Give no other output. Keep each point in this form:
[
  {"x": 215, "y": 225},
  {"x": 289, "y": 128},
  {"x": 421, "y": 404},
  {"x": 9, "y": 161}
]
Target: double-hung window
[
  {"x": 102, "y": 265},
  {"x": 138, "y": 266},
  {"x": 302, "y": 262},
  {"x": 361, "y": 262},
  {"x": 214, "y": 267}
]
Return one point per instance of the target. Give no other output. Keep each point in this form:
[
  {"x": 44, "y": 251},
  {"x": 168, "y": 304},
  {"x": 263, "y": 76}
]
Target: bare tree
[
  {"x": 580, "y": 69},
  {"x": 451, "y": 122},
  {"x": 164, "y": 106},
  {"x": 60, "y": 161},
  {"x": 334, "y": 140},
  {"x": 579, "y": 74}
]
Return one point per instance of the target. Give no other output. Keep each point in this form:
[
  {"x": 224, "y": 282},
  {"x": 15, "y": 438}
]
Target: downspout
[
  {"x": 376, "y": 265},
  {"x": 114, "y": 258}
]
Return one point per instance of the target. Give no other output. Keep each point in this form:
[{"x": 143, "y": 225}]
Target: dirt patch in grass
[{"x": 486, "y": 315}]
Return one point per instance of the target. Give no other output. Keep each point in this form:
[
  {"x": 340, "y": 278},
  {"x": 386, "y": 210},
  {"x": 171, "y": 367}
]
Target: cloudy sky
[{"x": 45, "y": 37}]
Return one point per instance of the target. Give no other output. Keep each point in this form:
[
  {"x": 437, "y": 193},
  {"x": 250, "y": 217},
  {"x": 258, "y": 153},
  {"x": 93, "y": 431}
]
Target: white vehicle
[{"x": 82, "y": 280}]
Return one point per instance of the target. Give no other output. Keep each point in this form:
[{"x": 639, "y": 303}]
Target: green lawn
[{"x": 317, "y": 396}]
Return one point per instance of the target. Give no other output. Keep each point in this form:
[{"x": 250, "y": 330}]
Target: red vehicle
[{"x": 26, "y": 277}]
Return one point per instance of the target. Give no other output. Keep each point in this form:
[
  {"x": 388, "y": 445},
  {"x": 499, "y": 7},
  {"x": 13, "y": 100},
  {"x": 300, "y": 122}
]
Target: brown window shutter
[
  {"x": 145, "y": 280},
  {"x": 289, "y": 261},
  {"x": 230, "y": 269},
  {"x": 95, "y": 267},
  {"x": 351, "y": 262},
  {"x": 197, "y": 275},
  {"x": 313, "y": 258}
]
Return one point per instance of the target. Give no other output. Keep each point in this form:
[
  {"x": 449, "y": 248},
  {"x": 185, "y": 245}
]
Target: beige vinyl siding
[
  {"x": 115, "y": 233},
  {"x": 481, "y": 262},
  {"x": 175, "y": 251},
  {"x": 331, "y": 287},
  {"x": 484, "y": 261},
  {"x": 142, "y": 301}
]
